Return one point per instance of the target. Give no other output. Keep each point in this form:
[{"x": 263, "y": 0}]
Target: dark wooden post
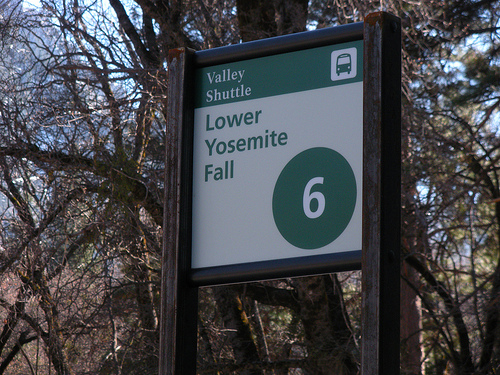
[
  {"x": 179, "y": 300},
  {"x": 382, "y": 194}
]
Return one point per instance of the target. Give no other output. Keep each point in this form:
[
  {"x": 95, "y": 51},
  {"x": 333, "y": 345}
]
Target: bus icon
[{"x": 343, "y": 64}]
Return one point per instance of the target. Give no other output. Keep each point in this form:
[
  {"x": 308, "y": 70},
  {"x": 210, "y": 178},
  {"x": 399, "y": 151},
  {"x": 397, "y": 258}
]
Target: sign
[
  {"x": 284, "y": 136},
  {"x": 278, "y": 160}
]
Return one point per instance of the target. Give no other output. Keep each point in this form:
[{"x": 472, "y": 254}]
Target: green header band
[{"x": 285, "y": 73}]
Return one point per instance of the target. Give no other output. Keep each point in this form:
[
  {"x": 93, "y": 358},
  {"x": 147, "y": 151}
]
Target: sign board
[
  {"x": 278, "y": 164},
  {"x": 283, "y": 158}
]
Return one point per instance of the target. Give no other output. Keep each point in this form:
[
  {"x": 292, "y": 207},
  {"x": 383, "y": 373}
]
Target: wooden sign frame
[{"x": 379, "y": 261}]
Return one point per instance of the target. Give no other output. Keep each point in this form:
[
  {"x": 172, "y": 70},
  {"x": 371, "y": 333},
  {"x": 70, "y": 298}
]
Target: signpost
[{"x": 272, "y": 147}]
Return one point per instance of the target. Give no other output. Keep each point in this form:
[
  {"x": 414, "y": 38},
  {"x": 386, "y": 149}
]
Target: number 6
[{"x": 308, "y": 197}]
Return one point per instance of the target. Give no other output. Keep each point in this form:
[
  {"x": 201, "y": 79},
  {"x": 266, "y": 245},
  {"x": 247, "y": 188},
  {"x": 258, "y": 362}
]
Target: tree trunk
[
  {"x": 411, "y": 352},
  {"x": 260, "y": 19},
  {"x": 329, "y": 341},
  {"x": 240, "y": 333}
]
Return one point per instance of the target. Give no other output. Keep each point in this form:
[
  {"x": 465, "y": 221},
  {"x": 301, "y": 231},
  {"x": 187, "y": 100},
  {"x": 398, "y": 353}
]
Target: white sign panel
[{"x": 277, "y": 155}]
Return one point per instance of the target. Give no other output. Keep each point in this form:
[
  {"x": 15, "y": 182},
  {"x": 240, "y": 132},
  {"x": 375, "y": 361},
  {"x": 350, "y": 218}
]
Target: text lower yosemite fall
[{"x": 262, "y": 139}]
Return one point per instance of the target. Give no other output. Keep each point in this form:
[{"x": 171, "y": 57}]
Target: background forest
[{"x": 82, "y": 135}]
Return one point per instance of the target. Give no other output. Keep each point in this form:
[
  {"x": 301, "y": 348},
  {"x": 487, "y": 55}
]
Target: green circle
[{"x": 298, "y": 211}]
